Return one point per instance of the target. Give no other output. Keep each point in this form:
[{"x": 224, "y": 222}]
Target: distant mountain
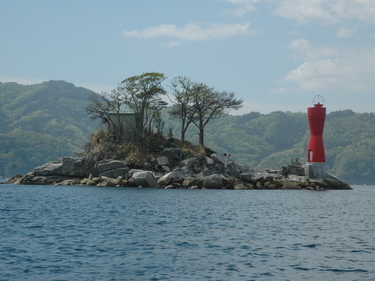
[
  {"x": 271, "y": 140},
  {"x": 40, "y": 123}
]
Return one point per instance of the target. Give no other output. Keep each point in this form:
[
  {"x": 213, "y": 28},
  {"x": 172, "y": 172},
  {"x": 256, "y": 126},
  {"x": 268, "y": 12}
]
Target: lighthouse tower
[{"x": 316, "y": 157}]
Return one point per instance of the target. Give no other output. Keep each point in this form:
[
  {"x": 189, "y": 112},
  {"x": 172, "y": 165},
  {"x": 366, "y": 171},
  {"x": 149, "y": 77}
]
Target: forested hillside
[
  {"x": 271, "y": 140},
  {"x": 40, "y": 123}
]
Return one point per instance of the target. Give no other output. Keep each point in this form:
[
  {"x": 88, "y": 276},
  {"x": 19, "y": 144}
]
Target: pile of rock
[{"x": 215, "y": 171}]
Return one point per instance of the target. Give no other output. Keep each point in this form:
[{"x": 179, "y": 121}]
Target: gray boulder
[
  {"x": 120, "y": 172},
  {"x": 107, "y": 165},
  {"x": 219, "y": 158},
  {"x": 246, "y": 177},
  {"x": 191, "y": 165},
  {"x": 191, "y": 181},
  {"x": 73, "y": 166},
  {"x": 90, "y": 181},
  {"x": 48, "y": 169},
  {"x": 164, "y": 180},
  {"x": 173, "y": 154},
  {"x": 265, "y": 176},
  {"x": 246, "y": 169},
  {"x": 291, "y": 185},
  {"x": 163, "y": 164},
  {"x": 214, "y": 181},
  {"x": 162, "y": 161},
  {"x": 67, "y": 166},
  {"x": 182, "y": 173},
  {"x": 30, "y": 179},
  {"x": 91, "y": 166},
  {"x": 75, "y": 181},
  {"x": 209, "y": 161},
  {"x": 145, "y": 179},
  {"x": 334, "y": 182},
  {"x": 110, "y": 182},
  {"x": 173, "y": 176},
  {"x": 232, "y": 169},
  {"x": 165, "y": 169},
  {"x": 243, "y": 186}
]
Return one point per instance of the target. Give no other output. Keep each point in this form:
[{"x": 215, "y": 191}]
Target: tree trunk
[
  {"x": 182, "y": 138},
  {"x": 201, "y": 136},
  {"x": 183, "y": 130}
]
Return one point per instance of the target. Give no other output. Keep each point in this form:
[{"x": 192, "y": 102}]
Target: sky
[{"x": 276, "y": 55}]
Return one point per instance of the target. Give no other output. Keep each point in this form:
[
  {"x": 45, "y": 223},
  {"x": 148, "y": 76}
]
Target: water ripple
[{"x": 88, "y": 233}]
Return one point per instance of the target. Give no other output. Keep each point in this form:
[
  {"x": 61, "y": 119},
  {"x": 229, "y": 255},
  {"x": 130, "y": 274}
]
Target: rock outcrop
[
  {"x": 113, "y": 169},
  {"x": 215, "y": 171}
]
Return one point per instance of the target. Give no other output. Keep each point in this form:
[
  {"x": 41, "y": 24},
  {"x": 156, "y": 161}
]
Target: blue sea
[{"x": 101, "y": 233}]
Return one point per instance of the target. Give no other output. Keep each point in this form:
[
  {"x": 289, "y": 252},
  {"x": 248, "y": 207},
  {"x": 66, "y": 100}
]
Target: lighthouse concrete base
[{"x": 315, "y": 170}]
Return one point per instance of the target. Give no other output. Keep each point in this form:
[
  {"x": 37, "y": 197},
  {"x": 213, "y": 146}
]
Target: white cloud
[
  {"x": 192, "y": 32},
  {"x": 303, "y": 50},
  {"x": 280, "y": 90},
  {"x": 348, "y": 73},
  {"x": 305, "y": 11},
  {"x": 246, "y": 6},
  {"x": 173, "y": 44},
  {"x": 346, "y": 32},
  {"x": 323, "y": 74},
  {"x": 326, "y": 11}
]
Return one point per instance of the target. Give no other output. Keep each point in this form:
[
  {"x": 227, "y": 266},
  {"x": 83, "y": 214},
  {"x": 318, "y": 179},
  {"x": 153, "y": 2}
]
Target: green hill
[{"x": 40, "y": 123}]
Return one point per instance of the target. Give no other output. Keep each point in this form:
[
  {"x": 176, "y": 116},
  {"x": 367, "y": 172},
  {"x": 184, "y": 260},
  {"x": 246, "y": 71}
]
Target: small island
[{"x": 131, "y": 151}]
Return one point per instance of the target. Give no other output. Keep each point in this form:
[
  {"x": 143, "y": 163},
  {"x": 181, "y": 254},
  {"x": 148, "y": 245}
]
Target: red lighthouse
[
  {"x": 316, "y": 116},
  {"x": 316, "y": 156}
]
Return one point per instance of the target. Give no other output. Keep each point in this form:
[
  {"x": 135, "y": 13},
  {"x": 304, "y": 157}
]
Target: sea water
[{"x": 101, "y": 233}]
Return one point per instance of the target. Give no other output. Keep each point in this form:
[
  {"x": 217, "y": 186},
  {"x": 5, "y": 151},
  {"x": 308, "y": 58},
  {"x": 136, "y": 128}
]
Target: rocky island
[{"x": 170, "y": 170}]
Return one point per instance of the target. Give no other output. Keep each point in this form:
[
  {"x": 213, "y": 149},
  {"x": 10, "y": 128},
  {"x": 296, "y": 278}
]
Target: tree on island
[
  {"x": 132, "y": 114},
  {"x": 198, "y": 103},
  {"x": 183, "y": 90},
  {"x": 142, "y": 93},
  {"x": 102, "y": 106},
  {"x": 139, "y": 94}
]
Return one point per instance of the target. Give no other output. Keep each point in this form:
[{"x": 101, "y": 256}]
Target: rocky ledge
[{"x": 215, "y": 171}]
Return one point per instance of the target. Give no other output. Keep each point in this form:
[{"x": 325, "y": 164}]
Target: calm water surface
[{"x": 92, "y": 233}]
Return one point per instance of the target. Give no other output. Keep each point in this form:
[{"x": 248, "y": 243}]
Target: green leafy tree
[
  {"x": 182, "y": 109},
  {"x": 142, "y": 94},
  {"x": 209, "y": 105},
  {"x": 158, "y": 121},
  {"x": 198, "y": 103},
  {"x": 99, "y": 107},
  {"x": 108, "y": 108}
]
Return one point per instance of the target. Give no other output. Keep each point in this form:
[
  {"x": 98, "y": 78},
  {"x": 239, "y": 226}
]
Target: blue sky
[{"x": 274, "y": 54}]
